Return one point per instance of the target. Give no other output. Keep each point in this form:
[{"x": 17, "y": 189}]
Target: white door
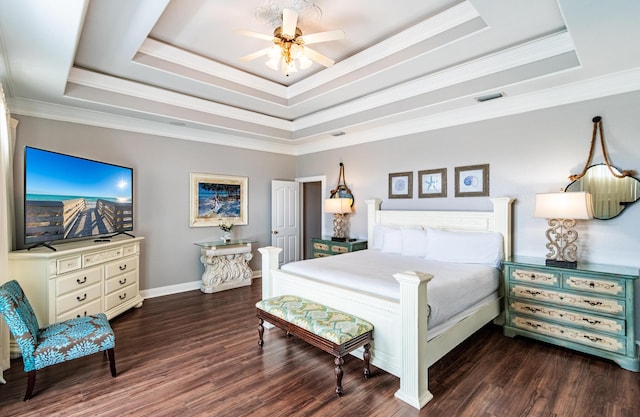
[{"x": 285, "y": 219}]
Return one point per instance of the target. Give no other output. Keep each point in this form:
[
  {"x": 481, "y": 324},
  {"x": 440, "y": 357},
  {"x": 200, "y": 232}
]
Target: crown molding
[
  {"x": 593, "y": 88},
  {"x": 70, "y": 114}
]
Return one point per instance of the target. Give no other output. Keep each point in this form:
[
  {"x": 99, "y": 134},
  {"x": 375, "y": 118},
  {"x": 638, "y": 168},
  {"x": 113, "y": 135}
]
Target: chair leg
[
  {"x": 112, "y": 361},
  {"x": 31, "y": 382}
]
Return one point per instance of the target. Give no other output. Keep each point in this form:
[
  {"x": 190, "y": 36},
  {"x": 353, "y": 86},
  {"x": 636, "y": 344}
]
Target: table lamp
[
  {"x": 562, "y": 210},
  {"x": 340, "y": 207}
]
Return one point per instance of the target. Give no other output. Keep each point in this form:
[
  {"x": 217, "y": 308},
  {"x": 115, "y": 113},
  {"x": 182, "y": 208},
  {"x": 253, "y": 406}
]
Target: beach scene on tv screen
[{"x": 68, "y": 197}]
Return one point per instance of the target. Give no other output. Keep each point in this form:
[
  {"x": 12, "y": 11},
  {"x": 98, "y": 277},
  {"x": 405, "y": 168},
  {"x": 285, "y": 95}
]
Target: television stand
[{"x": 45, "y": 244}]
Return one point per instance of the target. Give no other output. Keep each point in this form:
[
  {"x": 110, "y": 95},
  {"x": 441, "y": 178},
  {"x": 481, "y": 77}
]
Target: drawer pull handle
[
  {"x": 84, "y": 279},
  {"x": 78, "y": 315},
  {"x": 122, "y": 281},
  {"x": 84, "y": 297},
  {"x": 123, "y": 267},
  {"x": 123, "y": 296}
]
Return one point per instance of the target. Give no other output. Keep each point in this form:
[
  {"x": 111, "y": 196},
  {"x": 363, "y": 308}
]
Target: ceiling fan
[{"x": 290, "y": 45}]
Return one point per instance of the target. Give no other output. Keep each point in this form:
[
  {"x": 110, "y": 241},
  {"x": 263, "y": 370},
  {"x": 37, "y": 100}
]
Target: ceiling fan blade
[
  {"x": 318, "y": 57},
  {"x": 332, "y": 35},
  {"x": 255, "y": 34},
  {"x": 289, "y": 22},
  {"x": 255, "y": 55}
]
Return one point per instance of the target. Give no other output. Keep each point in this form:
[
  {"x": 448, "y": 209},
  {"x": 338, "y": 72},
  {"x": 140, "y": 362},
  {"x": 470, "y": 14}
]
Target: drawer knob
[
  {"x": 80, "y": 282},
  {"x": 123, "y": 267},
  {"x": 84, "y": 297},
  {"x": 122, "y": 281},
  {"x": 123, "y": 296}
]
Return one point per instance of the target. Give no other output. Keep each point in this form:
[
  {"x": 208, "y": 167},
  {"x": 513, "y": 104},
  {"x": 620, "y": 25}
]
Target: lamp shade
[
  {"x": 337, "y": 205},
  {"x": 567, "y": 205}
]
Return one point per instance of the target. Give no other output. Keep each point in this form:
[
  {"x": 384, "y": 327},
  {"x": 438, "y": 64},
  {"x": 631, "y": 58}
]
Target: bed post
[
  {"x": 414, "y": 378},
  {"x": 373, "y": 206},
  {"x": 502, "y": 221},
  {"x": 270, "y": 255}
]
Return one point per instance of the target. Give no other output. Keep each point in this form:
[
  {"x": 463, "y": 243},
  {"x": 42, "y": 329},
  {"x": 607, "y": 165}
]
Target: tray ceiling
[{"x": 171, "y": 67}]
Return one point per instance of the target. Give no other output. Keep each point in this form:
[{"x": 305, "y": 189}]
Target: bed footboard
[{"x": 400, "y": 328}]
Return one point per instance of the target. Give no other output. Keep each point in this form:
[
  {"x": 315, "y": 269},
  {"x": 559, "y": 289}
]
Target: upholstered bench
[{"x": 333, "y": 331}]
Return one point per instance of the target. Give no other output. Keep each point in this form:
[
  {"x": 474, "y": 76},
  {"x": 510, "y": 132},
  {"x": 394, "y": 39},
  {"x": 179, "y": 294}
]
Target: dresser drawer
[
  {"x": 78, "y": 298},
  {"x": 95, "y": 258},
  {"x": 120, "y": 296},
  {"x": 93, "y": 307},
  {"x": 583, "y": 301},
  {"x": 559, "y": 331},
  {"x": 575, "y": 318},
  {"x": 598, "y": 286},
  {"x": 130, "y": 250},
  {"x": 532, "y": 276},
  {"x": 69, "y": 264},
  {"x": 120, "y": 281},
  {"x": 78, "y": 280},
  {"x": 120, "y": 267},
  {"x": 320, "y": 254}
]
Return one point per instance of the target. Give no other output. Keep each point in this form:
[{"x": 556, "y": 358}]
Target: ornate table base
[{"x": 225, "y": 267}]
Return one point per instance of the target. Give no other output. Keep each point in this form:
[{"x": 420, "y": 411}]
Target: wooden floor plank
[{"x": 195, "y": 354}]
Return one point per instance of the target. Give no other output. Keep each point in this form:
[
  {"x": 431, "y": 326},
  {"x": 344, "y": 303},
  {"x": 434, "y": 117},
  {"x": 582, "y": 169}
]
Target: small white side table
[{"x": 226, "y": 265}]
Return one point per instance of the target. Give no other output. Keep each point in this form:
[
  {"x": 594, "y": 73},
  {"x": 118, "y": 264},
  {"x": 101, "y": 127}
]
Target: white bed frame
[{"x": 401, "y": 346}]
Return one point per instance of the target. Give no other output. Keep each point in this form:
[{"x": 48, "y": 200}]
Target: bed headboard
[{"x": 498, "y": 220}]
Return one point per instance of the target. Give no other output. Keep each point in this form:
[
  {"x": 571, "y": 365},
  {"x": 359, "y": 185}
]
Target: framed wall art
[
  {"x": 432, "y": 183},
  {"x": 401, "y": 185},
  {"x": 217, "y": 199},
  {"x": 472, "y": 181}
]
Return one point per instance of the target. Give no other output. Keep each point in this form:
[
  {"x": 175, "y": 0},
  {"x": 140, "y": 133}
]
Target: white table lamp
[
  {"x": 562, "y": 210},
  {"x": 340, "y": 207}
]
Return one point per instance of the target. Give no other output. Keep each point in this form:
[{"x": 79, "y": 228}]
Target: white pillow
[
  {"x": 378, "y": 236},
  {"x": 464, "y": 247},
  {"x": 392, "y": 241},
  {"x": 414, "y": 242}
]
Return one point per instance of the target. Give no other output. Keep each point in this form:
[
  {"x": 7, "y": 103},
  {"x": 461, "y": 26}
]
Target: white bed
[{"x": 403, "y": 346}]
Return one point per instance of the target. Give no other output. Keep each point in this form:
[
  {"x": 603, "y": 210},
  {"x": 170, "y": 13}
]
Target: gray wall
[
  {"x": 528, "y": 154},
  {"x": 161, "y": 187}
]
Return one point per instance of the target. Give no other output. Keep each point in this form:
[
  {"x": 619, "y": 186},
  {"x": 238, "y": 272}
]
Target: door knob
[{"x": 275, "y": 232}]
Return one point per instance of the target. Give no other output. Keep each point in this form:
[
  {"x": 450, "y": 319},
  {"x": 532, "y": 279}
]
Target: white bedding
[{"x": 455, "y": 287}]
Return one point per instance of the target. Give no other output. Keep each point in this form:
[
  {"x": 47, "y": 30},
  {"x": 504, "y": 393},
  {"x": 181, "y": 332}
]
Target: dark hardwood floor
[{"x": 195, "y": 354}]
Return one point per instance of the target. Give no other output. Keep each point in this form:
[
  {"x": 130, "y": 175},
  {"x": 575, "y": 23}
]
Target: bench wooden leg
[
  {"x": 339, "y": 362},
  {"x": 366, "y": 357},
  {"x": 260, "y": 332}
]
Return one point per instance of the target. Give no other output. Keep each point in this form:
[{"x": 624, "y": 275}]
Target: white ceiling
[{"x": 171, "y": 67}]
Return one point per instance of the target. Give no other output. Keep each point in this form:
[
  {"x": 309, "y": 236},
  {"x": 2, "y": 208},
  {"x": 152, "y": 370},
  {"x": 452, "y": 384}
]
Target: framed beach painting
[
  {"x": 217, "y": 199},
  {"x": 472, "y": 181}
]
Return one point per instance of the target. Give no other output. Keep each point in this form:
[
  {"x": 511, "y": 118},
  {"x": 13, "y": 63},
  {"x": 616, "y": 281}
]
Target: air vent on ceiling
[{"x": 488, "y": 97}]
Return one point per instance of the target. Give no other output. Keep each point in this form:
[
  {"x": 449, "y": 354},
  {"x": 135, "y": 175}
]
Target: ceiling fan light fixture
[
  {"x": 289, "y": 51},
  {"x": 273, "y": 64},
  {"x": 305, "y": 62}
]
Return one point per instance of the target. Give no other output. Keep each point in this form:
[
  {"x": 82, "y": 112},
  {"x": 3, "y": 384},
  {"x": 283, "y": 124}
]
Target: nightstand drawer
[
  {"x": 320, "y": 246},
  {"x": 328, "y": 247}
]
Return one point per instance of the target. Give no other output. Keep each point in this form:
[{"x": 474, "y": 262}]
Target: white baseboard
[{"x": 178, "y": 288}]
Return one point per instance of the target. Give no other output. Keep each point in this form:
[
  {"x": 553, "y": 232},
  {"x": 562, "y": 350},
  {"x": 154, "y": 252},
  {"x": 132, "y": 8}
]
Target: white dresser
[{"x": 79, "y": 278}]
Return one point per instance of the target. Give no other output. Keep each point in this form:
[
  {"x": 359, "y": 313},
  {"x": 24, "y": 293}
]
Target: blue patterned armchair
[{"x": 59, "y": 342}]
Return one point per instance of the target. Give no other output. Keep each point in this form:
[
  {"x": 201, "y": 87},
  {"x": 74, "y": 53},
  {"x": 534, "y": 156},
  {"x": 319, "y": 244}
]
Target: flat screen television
[{"x": 68, "y": 197}]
